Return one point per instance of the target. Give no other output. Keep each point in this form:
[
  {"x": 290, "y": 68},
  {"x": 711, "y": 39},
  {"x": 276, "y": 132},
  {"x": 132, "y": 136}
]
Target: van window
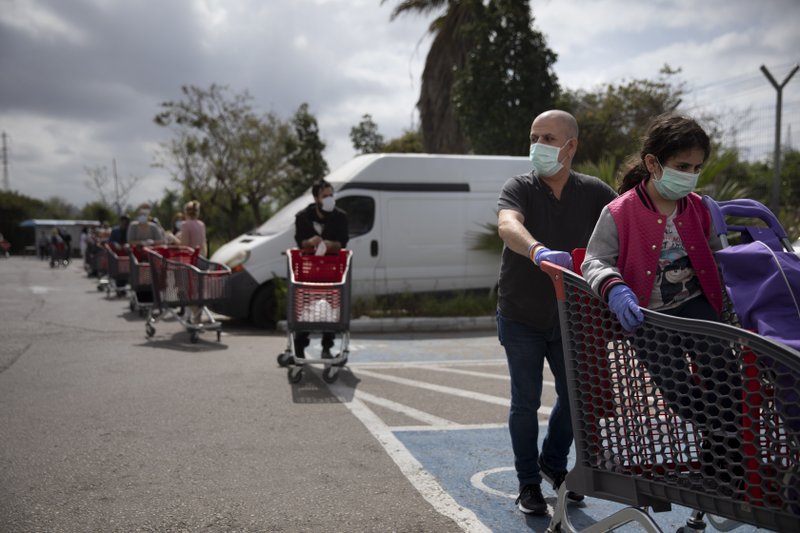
[{"x": 360, "y": 213}]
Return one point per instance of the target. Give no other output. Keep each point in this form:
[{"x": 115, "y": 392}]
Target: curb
[{"x": 418, "y": 324}]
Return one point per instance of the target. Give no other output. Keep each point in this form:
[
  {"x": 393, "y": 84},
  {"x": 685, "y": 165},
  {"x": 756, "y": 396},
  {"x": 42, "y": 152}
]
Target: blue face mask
[
  {"x": 674, "y": 184},
  {"x": 545, "y": 159}
]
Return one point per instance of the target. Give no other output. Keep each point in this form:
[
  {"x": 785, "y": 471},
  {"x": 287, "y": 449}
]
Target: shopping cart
[
  {"x": 141, "y": 298},
  {"x": 97, "y": 262},
  {"x": 318, "y": 300},
  {"x": 688, "y": 412},
  {"x": 181, "y": 278},
  {"x": 118, "y": 268}
]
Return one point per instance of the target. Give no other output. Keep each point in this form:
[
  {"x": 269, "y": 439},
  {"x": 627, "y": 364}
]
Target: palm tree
[{"x": 441, "y": 132}]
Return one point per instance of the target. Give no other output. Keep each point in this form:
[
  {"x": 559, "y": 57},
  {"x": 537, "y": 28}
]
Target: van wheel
[{"x": 262, "y": 310}]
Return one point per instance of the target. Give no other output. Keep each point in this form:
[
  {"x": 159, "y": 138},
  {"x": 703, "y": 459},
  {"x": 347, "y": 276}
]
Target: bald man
[{"x": 542, "y": 217}]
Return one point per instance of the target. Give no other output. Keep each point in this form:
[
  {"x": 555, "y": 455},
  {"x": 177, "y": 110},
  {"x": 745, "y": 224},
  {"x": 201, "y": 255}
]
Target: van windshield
[{"x": 285, "y": 217}]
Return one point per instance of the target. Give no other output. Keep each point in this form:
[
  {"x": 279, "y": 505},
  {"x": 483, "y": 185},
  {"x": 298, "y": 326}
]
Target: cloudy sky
[{"x": 81, "y": 80}]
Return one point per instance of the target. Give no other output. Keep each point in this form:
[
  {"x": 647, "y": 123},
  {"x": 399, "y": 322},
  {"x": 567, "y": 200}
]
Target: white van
[{"x": 412, "y": 221}]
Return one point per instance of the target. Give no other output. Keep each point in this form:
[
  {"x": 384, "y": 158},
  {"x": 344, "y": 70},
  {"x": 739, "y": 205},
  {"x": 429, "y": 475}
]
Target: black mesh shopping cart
[
  {"x": 688, "y": 412},
  {"x": 318, "y": 300}
]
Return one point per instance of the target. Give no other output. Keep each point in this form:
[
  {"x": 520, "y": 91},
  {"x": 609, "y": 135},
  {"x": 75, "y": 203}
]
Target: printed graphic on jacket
[{"x": 675, "y": 280}]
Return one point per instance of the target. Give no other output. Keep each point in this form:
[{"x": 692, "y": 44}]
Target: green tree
[
  {"x": 305, "y": 153},
  {"x": 506, "y": 79},
  {"x": 99, "y": 211},
  {"x": 409, "y": 142},
  {"x": 57, "y": 207},
  {"x": 14, "y": 209},
  {"x": 613, "y": 118},
  {"x": 225, "y": 155},
  {"x": 441, "y": 130},
  {"x": 365, "y": 136}
]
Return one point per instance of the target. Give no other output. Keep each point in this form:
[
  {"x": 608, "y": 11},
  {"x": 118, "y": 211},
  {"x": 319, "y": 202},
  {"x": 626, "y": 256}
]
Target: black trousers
[{"x": 301, "y": 340}]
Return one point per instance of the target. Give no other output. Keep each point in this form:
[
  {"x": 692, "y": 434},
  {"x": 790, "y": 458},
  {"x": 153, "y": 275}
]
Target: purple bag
[{"x": 764, "y": 287}]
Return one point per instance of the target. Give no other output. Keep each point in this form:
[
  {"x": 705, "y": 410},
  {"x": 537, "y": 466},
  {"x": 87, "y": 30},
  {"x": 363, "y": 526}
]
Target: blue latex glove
[
  {"x": 562, "y": 259},
  {"x": 625, "y": 305}
]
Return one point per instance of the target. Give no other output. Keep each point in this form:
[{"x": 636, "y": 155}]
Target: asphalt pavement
[{"x": 105, "y": 430}]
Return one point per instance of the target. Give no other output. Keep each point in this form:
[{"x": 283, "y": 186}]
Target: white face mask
[
  {"x": 143, "y": 216},
  {"x": 674, "y": 184},
  {"x": 545, "y": 159},
  {"x": 328, "y": 203}
]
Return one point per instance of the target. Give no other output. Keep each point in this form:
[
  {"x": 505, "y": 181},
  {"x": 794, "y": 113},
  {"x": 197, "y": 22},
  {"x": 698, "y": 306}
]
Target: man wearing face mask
[
  {"x": 542, "y": 217},
  {"x": 144, "y": 232},
  {"x": 321, "y": 227}
]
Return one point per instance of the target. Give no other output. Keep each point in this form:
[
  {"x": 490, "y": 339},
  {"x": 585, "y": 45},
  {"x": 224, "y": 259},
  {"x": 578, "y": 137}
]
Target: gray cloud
[{"x": 83, "y": 79}]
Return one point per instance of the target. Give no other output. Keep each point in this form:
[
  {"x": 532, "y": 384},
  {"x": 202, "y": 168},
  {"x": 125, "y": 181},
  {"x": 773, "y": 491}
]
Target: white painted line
[
  {"x": 488, "y": 398},
  {"x": 448, "y": 428},
  {"x": 403, "y": 364},
  {"x": 477, "y": 481},
  {"x": 410, "y": 412},
  {"x": 423, "y": 481},
  {"x": 443, "y": 366},
  {"x": 502, "y": 377}
]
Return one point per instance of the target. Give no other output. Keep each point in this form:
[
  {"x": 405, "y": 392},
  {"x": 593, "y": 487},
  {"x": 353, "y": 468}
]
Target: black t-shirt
[
  {"x": 331, "y": 228},
  {"x": 526, "y": 293}
]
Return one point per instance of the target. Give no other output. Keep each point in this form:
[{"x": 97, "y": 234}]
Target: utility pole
[
  {"x": 116, "y": 187},
  {"x": 6, "y": 182},
  {"x": 775, "y": 197}
]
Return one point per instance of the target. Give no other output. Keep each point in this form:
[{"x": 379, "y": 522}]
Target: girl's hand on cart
[
  {"x": 624, "y": 303},
  {"x": 562, "y": 259}
]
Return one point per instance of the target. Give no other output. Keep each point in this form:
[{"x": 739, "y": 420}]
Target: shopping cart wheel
[
  {"x": 295, "y": 374},
  {"x": 121, "y": 293},
  {"x": 194, "y": 336},
  {"x": 330, "y": 374},
  {"x": 219, "y": 335},
  {"x": 142, "y": 311},
  {"x": 132, "y": 306},
  {"x": 285, "y": 358},
  {"x": 149, "y": 330}
]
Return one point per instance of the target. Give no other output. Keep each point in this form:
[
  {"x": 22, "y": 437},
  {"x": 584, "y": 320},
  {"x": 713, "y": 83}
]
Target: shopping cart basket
[
  {"x": 180, "y": 278},
  {"x": 118, "y": 268},
  {"x": 98, "y": 262},
  {"x": 318, "y": 300},
  {"x": 141, "y": 299},
  {"x": 761, "y": 272},
  {"x": 688, "y": 412}
]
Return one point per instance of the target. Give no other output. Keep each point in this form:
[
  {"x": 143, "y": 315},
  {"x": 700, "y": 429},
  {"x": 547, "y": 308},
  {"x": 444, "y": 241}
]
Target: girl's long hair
[{"x": 666, "y": 135}]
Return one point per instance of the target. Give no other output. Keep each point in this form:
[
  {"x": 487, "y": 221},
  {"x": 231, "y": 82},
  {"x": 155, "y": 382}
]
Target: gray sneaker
[
  {"x": 556, "y": 477},
  {"x": 531, "y": 501}
]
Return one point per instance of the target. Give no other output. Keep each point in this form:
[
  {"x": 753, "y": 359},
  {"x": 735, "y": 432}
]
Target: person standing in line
[
  {"x": 172, "y": 235},
  {"x": 144, "y": 232},
  {"x": 193, "y": 234},
  {"x": 84, "y": 243},
  {"x": 323, "y": 227},
  {"x": 119, "y": 234},
  {"x": 542, "y": 216}
]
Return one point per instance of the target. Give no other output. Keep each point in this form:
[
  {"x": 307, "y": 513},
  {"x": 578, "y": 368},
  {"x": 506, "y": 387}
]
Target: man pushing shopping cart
[{"x": 321, "y": 234}]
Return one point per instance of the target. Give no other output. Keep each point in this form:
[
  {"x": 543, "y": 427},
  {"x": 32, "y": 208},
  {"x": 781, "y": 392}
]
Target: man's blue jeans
[{"x": 526, "y": 350}]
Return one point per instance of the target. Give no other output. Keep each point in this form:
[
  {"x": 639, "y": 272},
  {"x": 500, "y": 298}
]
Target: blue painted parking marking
[
  {"x": 475, "y": 466},
  {"x": 466, "y": 472}
]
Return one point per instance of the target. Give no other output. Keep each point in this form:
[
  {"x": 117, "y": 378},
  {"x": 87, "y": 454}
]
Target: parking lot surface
[{"x": 104, "y": 429}]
